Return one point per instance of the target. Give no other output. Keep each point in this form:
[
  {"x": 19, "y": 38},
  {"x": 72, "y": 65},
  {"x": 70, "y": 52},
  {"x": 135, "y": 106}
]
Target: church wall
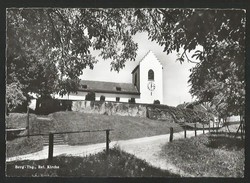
[
  {"x": 108, "y": 96},
  {"x": 150, "y": 62}
]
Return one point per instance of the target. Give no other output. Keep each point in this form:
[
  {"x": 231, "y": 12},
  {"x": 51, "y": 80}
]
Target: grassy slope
[
  {"x": 125, "y": 127},
  {"x": 207, "y": 156},
  {"x": 24, "y": 145},
  {"x": 118, "y": 163}
]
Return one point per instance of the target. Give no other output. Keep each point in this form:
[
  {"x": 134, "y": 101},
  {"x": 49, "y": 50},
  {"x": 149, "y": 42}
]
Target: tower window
[
  {"x": 118, "y": 89},
  {"x": 150, "y": 74}
]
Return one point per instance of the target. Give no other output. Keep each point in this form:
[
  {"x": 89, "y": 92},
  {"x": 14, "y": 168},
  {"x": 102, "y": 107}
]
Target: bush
[
  {"x": 102, "y": 98},
  {"x": 90, "y": 96},
  {"x": 157, "y": 102},
  {"x": 14, "y": 95},
  {"x": 179, "y": 114},
  {"x": 132, "y": 100}
]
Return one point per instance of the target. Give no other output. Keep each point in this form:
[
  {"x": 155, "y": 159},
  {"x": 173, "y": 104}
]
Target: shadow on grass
[
  {"x": 117, "y": 163},
  {"x": 228, "y": 143}
]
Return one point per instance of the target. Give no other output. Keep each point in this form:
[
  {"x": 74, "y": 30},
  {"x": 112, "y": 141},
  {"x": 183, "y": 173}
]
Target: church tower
[{"x": 147, "y": 77}]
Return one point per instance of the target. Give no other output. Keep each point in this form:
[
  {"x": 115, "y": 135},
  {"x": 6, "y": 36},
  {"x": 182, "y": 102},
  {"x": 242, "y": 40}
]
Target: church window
[
  {"x": 150, "y": 74},
  {"x": 84, "y": 86}
]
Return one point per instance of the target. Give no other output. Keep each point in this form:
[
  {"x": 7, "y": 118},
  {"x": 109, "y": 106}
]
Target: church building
[{"x": 146, "y": 86}]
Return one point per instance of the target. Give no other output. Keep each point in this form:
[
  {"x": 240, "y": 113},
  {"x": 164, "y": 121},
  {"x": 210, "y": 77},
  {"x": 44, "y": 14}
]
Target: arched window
[{"x": 150, "y": 74}]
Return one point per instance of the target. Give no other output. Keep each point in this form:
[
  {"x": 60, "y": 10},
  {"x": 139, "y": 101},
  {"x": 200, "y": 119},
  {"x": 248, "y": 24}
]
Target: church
[{"x": 146, "y": 86}]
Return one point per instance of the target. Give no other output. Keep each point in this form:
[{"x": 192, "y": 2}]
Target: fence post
[
  {"x": 107, "y": 142},
  {"x": 195, "y": 133},
  {"x": 51, "y": 144},
  {"x": 209, "y": 127},
  {"x": 185, "y": 132},
  {"x": 203, "y": 128},
  {"x": 28, "y": 121},
  {"x": 171, "y": 134}
]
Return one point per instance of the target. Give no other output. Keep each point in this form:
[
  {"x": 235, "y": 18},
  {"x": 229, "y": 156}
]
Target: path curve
[{"x": 146, "y": 148}]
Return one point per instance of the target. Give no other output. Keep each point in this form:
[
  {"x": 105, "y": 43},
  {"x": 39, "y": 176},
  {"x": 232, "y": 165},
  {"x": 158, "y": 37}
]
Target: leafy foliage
[
  {"x": 218, "y": 76},
  {"x": 14, "y": 95},
  {"x": 47, "y": 49},
  {"x": 90, "y": 96},
  {"x": 180, "y": 114},
  {"x": 156, "y": 102}
]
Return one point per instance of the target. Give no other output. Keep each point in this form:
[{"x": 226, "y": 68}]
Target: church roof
[
  {"x": 143, "y": 59},
  {"x": 108, "y": 87}
]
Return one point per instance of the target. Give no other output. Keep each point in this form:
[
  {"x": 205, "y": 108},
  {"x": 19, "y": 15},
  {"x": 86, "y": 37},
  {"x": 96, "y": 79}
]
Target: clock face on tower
[{"x": 151, "y": 86}]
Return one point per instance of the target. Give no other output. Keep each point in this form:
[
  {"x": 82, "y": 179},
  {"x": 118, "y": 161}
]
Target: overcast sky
[{"x": 175, "y": 75}]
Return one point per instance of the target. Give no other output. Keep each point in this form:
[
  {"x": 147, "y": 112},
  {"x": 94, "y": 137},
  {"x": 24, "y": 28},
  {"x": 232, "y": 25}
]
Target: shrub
[
  {"x": 178, "y": 113},
  {"x": 14, "y": 95},
  {"x": 90, "y": 96},
  {"x": 46, "y": 105},
  {"x": 157, "y": 102},
  {"x": 132, "y": 100},
  {"x": 102, "y": 98}
]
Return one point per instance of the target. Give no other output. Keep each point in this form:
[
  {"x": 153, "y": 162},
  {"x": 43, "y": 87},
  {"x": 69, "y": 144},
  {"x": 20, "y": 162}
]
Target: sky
[{"x": 175, "y": 75}]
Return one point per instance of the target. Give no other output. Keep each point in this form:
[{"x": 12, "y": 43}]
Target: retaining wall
[{"x": 110, "y": 108}]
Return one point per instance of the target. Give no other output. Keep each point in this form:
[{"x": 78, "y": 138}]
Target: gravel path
[{"x": 147, "y": 148}]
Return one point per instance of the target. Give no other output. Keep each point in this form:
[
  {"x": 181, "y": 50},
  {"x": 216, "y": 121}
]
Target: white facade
[
  {"x": 108, "y": 96},
  {"x": 150, "y": 89}
]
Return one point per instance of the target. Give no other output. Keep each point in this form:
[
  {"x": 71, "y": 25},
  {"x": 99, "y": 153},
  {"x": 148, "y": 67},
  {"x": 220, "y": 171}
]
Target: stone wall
[
  {"x": 110, "y": 108},
  {"x": 151, "y": 111}
]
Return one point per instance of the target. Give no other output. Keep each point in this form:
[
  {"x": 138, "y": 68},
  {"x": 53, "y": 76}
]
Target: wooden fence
[{"x": 51, "y": 138}]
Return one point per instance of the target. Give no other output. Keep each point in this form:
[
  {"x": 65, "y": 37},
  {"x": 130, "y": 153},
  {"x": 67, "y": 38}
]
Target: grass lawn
[
  {"x": 24, "y": 145},
  {"x": 125, "y": 127},
  {"x": 118, "y": 163},
  {"x": 207, "y": 156}
]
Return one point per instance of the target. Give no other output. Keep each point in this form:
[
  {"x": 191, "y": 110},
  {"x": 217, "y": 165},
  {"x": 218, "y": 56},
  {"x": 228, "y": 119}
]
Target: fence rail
[
  {"x": 65, "y": 132},
  {"x": 52, "y": 133}
]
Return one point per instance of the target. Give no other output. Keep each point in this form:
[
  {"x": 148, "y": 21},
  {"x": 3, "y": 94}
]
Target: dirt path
[{"x": 147, "y": 148}]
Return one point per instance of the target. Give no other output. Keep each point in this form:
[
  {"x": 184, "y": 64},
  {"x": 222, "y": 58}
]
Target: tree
[
  {"x": 47, "y": 49},
  {"x": 219, "y": 70}
]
